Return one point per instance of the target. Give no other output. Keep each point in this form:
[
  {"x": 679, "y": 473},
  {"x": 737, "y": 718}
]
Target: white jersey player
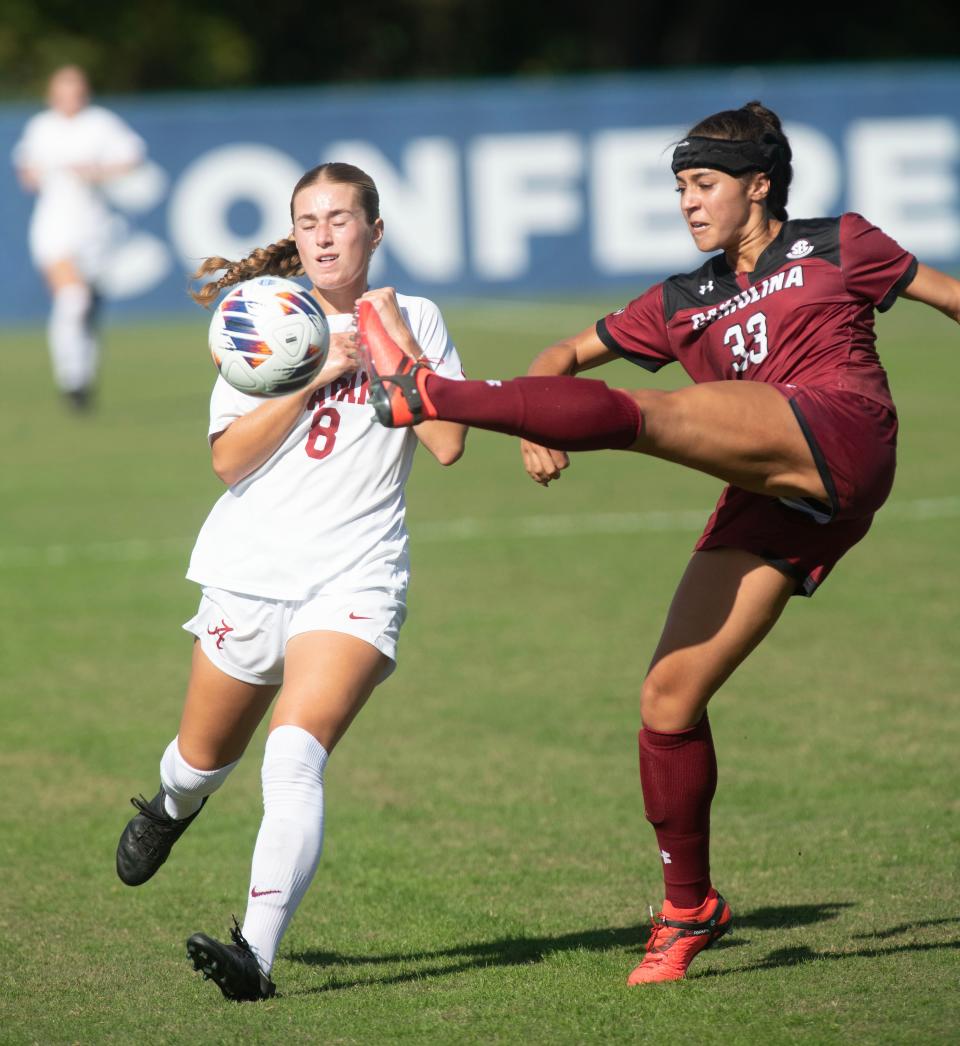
[
  {"x": 342, "y": 523},
  {"x": 64, "y": 155},
  {"x": 304, "y": 567}
]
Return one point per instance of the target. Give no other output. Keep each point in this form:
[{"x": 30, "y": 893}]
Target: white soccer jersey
[
  {"x": 327, "y": 509},
  {"x": 70, "y": 218}
]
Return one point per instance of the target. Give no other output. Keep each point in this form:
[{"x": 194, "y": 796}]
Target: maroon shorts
[{"x": 854, "y": 444}]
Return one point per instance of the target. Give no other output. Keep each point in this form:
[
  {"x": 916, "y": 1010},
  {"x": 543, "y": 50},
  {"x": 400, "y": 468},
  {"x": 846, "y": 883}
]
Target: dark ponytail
[{"x": 754, "y": 122}]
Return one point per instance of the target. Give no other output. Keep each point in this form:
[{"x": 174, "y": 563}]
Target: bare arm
[
  {"x": 570, "y": 356},
  {"x": 29, "y": 178},
  {"x": 936, "y": 288},
  {"x": 444, "y": 439},
  {"x": 581, "y": 352},
  {"x": 103, "y": 172},
  {"x": 245, "y": 444}
]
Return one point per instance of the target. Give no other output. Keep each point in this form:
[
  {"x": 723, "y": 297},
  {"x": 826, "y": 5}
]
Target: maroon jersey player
[
  {"x": 790, "y": 406},
  {"x": 725, "y": 325}
]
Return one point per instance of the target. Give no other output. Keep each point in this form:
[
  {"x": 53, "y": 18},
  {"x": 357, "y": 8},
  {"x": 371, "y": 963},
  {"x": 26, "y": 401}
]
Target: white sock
[
  {"x": 290, "y": 840},
  {"x": 73, "y": 348},
  {"x": 184, "y": 786}
]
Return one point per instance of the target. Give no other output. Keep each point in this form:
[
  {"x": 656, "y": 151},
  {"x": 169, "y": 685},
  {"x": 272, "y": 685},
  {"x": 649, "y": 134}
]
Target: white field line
[{"x": 453, "y": 530}]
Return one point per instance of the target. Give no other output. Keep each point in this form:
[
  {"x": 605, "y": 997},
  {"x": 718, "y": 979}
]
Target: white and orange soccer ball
[{"x": 268, "y": 337}]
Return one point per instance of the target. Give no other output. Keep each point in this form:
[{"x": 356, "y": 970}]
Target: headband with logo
[{"x": 724, "y": 154}]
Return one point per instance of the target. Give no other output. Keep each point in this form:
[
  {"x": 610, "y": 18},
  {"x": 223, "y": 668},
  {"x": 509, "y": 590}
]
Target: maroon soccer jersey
[{"x": 804, "y": 317}]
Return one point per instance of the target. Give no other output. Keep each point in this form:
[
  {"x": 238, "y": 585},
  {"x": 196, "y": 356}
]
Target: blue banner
[{"x": 502, "y": 187}]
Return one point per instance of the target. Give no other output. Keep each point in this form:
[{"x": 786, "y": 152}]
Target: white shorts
[
  {"x": 246, "y": 636},
  {"x": 86, "y": 247}
]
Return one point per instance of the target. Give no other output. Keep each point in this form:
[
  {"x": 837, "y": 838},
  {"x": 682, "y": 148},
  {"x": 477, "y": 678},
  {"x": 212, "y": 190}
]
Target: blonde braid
[{"x": 276, "y": 259}]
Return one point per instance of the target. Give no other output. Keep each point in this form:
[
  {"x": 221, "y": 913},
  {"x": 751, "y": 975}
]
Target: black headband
[{"x": 723, "y": 154}]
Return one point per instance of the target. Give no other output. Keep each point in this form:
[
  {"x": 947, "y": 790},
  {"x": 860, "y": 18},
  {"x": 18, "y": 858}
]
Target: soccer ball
[{"x": 268, "y": 337}]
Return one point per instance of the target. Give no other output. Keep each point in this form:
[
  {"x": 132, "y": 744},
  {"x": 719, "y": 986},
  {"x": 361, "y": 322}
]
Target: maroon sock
[
  {"x": 563, "y": 413},
  {"x": 678, "y": 772}
]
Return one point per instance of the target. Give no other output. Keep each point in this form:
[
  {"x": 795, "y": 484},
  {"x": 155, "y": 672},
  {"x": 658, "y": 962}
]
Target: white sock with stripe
[{"x": 290, "y": 839}]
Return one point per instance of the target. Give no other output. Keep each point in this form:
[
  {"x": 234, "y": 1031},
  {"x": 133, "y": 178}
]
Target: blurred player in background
[
  {"x": 304, "y": 567},
  {"x": 790, "y": 406},
  {"x": 64, "y": 155}
]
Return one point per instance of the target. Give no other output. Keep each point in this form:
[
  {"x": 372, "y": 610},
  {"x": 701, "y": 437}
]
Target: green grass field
[{"x": 487, "y": 868}]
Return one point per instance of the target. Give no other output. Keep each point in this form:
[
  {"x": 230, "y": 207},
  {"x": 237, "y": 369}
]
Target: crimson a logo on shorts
[{"x": 221, "y": 632}]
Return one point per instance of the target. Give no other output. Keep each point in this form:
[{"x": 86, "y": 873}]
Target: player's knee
[
  {"x": 667, "y": 704},
  {"x": 72, "y": 302},
  {"x": 292, "y": 771},
  {"x": 653, "y": 697},
  {"x": 181, "y": 777}
]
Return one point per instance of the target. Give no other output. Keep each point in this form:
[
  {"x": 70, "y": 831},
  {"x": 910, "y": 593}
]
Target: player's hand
[
  {"x": 542, "y": 463},
  {"x": 343, "y": 357},
  {"x": 384, "y": 300}
]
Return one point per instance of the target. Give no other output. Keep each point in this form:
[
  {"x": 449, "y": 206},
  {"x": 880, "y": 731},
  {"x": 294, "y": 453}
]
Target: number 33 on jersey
[{"x": 803, "y": 317}]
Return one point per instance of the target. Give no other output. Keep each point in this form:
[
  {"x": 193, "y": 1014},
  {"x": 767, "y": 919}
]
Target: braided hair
[{"x": 281, "y": 258}]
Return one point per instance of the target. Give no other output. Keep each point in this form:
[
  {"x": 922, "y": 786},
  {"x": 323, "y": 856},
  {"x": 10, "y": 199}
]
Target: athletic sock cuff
[
  {"x": 675, "y": 738},
  {"x": 632, "y": 415},
  {"x": 177, "y": 775},
  {"x": 293, "y": 742}
]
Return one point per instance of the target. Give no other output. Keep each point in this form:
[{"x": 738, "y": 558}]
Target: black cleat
[
  {"x": 80, "y": 400},
  {"x": 232, "y": 967},
  {"x": 147, "y": 840}
]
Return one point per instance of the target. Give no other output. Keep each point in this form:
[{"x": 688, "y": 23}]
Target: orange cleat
[
  {"x": 675, "y": 943},
  {"x": 397, "y": 380}
]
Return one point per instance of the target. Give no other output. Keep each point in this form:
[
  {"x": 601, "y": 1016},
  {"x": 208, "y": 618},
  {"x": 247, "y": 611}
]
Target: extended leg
[{"x": 742, "y": 432}]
